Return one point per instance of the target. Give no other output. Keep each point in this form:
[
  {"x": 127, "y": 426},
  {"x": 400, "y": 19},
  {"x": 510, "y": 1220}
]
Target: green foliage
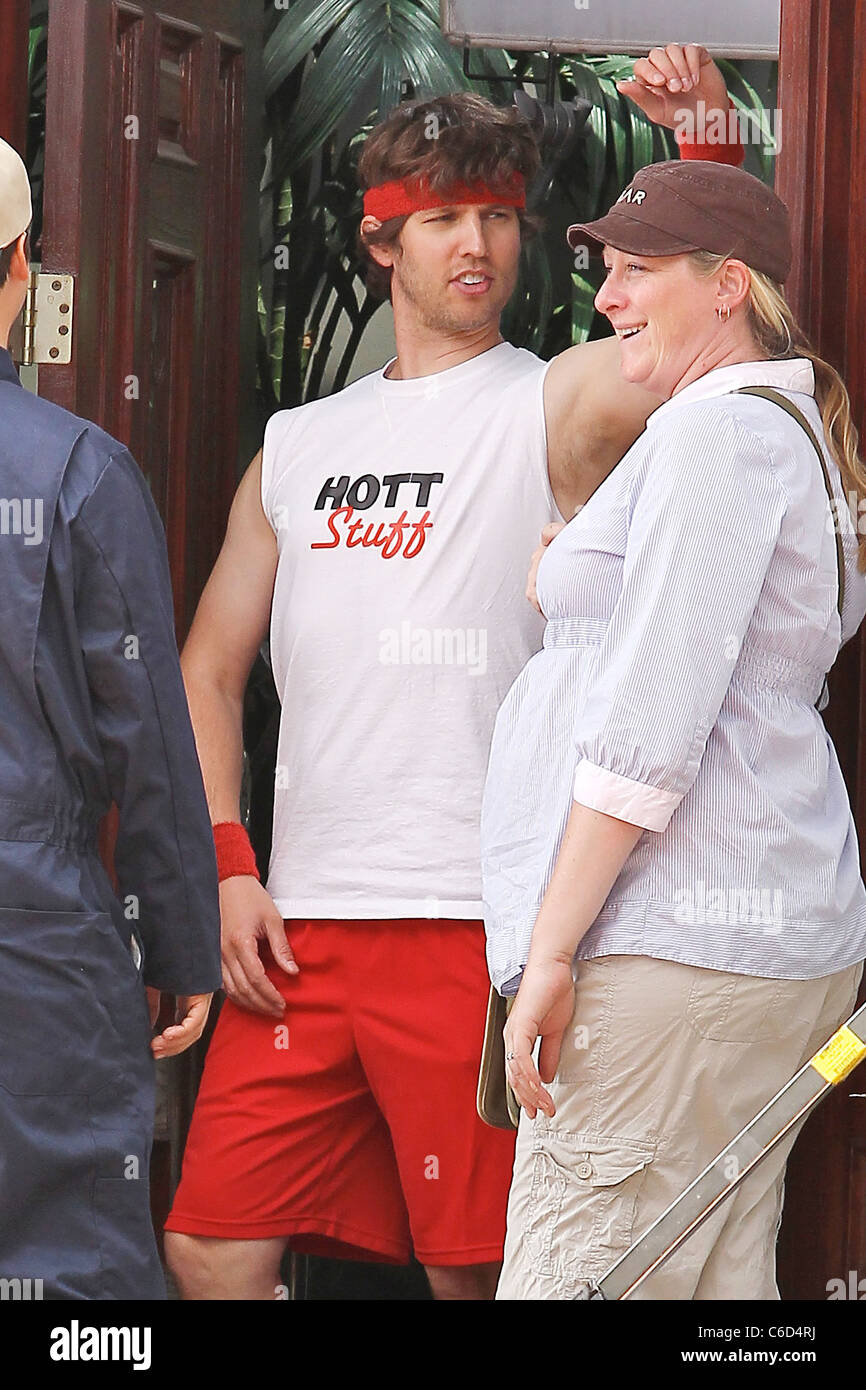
[
  {"x": 333, "y": 68},
  {"x": 37, "y": 72},
  {"x": 621, "y": 140},
  {"x": 746, "y": 99}
]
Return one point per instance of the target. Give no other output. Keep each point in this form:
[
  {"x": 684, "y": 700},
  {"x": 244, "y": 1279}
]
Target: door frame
[{"x": 823, "y": 46}]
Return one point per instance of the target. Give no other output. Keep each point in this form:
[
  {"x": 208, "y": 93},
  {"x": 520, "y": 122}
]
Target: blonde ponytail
[{"x": 779, "y": 336}]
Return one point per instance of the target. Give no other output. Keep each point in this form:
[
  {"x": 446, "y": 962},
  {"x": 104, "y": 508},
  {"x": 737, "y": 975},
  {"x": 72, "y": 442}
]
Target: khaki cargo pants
[{"x": 662, "y": 1065}]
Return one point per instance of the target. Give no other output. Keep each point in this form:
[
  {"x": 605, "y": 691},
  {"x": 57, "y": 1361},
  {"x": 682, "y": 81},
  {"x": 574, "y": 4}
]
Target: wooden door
[
  {"x": 14, "y": 30},
  {"x": 822, "y": 177},
  {"x": 153, "y": 155}
]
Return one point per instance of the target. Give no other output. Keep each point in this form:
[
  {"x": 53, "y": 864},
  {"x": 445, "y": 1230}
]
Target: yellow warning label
[{"x": 841, "y": 1055}]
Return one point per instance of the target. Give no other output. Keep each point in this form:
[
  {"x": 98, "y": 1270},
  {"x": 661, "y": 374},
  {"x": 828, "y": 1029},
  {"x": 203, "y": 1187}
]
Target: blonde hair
[{"x": 777, "y": 333}]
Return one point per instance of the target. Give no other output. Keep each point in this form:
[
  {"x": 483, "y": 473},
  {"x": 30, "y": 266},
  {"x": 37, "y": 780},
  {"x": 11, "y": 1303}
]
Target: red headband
[{"x": 404, "y": 196}]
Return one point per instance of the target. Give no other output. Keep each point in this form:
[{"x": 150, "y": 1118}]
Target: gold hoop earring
[{"x": 723, "y": 312}]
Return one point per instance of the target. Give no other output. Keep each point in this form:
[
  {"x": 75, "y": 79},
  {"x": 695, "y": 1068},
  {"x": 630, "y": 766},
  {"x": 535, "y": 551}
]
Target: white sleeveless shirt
[{"x": 406, "y": 513}]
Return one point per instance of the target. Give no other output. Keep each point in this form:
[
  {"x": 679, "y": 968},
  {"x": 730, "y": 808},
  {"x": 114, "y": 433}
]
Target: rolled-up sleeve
[{"x": 705, "y": 512}]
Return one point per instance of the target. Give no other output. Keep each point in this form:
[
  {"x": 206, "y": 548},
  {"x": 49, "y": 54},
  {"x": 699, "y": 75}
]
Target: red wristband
[
  {"x": 234, "y": 853},
  {"x": 721, "y": 152}
]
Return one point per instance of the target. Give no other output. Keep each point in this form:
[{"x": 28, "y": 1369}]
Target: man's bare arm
[
  {"x": 230, "y": 624},
  {"x": 593, "y": 418},
  {"x": 593, "y": 415}
]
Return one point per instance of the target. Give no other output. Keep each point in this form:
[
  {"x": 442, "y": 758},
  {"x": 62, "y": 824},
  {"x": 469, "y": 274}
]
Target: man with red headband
[{"x": 383, "y": 534}]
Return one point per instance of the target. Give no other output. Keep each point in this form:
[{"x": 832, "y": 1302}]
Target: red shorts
[{"x": 351, "y": 1128}]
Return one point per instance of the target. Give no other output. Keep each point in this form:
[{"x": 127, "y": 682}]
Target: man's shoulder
[
  {"x": 293, "y": 419},
  {"x": 521, "y": 364},
  {"x": 361, "y": 387},
  {"x": 68, "y": 428},
  {"x": 585, "y": 383},
  {"x": 46, "y": 416},
  {"x": 68, "y": 446},
  {"x": 588, "y": 368},
  {"x": 101, "y": 471}
]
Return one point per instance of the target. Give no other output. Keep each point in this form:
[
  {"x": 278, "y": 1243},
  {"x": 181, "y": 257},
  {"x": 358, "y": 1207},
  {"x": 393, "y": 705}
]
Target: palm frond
[
  {"x": 298, "y": 31},
  {"x": 333, "y": 69},
  {"x": 378, "y": 41},
  {"x": 747, "y": 100}
]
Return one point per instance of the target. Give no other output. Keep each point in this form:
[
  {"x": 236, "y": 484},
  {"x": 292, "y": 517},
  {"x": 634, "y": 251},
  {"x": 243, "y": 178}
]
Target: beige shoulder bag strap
[{"x": 776, "y": 396}]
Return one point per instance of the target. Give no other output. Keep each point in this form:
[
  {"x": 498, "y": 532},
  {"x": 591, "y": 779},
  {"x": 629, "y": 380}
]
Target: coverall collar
[{"x": 7, "y": 368}]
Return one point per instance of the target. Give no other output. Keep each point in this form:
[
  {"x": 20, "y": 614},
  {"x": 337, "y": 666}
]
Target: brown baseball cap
[{"x": 696, "y": 205}]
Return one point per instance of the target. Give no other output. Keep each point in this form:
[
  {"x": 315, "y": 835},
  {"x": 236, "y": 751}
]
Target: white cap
[{"x": 16, "y": 211}]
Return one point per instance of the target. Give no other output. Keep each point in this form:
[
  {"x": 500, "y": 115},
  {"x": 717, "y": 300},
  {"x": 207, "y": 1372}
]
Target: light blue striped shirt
[{"x": 691, "y": 616}]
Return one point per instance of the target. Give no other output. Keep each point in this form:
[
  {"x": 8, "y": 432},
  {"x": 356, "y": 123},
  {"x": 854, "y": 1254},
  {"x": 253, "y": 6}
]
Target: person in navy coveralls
[{"x": 92, "y": 710}]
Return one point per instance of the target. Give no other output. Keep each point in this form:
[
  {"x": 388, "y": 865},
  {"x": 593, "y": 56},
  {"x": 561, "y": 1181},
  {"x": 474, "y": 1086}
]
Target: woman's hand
[
  {"x": 543, "y": 1008},
  {"x": 552, "y": 529},
  {"x": 673, "y": 80}
]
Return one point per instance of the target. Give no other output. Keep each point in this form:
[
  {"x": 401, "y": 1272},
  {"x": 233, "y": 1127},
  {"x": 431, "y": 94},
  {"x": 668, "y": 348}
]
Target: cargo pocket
[
  {"x": 581, "y": 1209},
  {"x": 58, "y": 1035}
]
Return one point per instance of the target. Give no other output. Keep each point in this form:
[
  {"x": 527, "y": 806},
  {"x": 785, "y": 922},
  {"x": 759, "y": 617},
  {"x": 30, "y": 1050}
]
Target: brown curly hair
[{"x": 474, "y": 142}]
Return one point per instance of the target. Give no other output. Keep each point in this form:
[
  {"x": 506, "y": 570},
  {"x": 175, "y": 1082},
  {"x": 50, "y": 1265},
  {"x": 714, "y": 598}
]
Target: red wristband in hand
[
  {"x": 234, "y": 853},
  {"x": 723, "y": 152}
]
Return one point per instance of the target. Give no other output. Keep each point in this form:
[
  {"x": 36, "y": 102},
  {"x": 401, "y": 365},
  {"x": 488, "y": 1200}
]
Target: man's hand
[
  {"x": 249, "y": 915},
  {"x": 552, "y": 529},
  {"x": 673, "y": 80},
  {"x": 154, "y": 999},
  {"x": 190, "y": 1018}
]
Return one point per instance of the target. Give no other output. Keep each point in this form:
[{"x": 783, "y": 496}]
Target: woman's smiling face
[{"x": 664, "y": 315}]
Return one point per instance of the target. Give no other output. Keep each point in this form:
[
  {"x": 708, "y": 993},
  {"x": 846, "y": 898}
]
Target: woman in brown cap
[{"x": 671, "y": 869}]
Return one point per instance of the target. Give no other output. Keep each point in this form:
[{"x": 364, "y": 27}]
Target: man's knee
[
  {"x": 192, "y": 1262},
  {"x": 470, "y": 1282},
  {"x": 209, "y": 1267}
]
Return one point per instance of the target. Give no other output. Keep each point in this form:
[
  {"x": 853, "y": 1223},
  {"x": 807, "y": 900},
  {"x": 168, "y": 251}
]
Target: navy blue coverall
[{"x": 92, "y": 709}]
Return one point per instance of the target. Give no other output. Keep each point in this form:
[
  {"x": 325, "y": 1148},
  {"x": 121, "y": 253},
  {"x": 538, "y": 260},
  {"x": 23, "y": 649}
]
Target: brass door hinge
[{"x": 48, "y": 320}]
